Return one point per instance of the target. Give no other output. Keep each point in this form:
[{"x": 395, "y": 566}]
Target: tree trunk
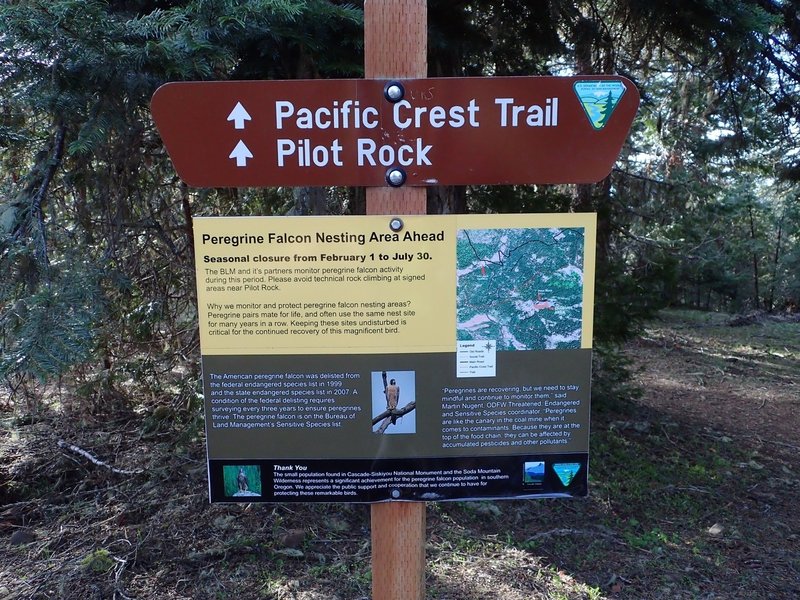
[
  {"x": 447, "y": 199},
  {"x": 755, "y": 258},
  {"x": 770, "y": 300},
  {"x": 310, "y": 201},
  {"x": 37, "y": 212}
]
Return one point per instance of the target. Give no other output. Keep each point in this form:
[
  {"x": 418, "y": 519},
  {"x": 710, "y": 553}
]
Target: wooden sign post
[{"x": 396, "y": 46}]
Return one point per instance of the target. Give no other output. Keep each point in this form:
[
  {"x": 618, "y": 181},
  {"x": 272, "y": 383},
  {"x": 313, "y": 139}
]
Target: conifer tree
[{"x": 95, "y": 228}]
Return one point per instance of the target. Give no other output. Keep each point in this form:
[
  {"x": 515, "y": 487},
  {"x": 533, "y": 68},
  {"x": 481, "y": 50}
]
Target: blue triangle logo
[
  {"x": 566, "y": 472},
  {"x": 599, "y": 99}
]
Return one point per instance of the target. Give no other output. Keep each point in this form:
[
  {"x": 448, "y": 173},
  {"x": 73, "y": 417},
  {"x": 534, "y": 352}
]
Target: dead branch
[
  {"x": 777, "y": 443},
  {"x": 97, "y": 461},
  {"x": 398, "y": 412},
  {"x": 598, "y": 531},
  {"x": 561, "y": 532},
  {"x": 384, "y": 426}
]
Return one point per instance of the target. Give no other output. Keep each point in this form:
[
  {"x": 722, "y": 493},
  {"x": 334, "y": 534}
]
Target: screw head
[
  {"x": 396, "y": 224},
  {"x": 394, "y": 91},
  {"x": 395, "y": 177}
]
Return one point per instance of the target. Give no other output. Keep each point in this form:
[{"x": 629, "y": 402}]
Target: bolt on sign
[
  {"x": 454, "y": 131},
  {"x": 368, "y": 359}
]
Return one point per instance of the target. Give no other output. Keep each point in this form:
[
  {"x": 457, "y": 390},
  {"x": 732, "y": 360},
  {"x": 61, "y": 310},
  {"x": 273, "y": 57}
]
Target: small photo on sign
[
  {"x": 241, "y": 480},
  {"x": 533, "y": 473},
  {"x": 394, "y": 402}
]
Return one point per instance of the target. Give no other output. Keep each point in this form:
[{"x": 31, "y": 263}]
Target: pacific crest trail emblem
[{"x": 599, "y": 99}]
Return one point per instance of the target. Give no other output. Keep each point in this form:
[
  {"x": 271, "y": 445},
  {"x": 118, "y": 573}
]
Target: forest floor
[{"x": 693, "y": 494}]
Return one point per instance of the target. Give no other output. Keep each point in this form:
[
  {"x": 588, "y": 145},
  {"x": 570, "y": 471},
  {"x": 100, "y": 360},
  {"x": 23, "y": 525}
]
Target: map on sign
[{"x": 521, "y": 288}]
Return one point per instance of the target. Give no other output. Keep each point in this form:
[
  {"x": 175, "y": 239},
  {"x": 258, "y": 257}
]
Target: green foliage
[
  {"x": 518, "y": 199},
  {"x": 95, "y": 229},
  {"x": 613, "y": 386},
  {"x": 99, "y": 561},
  {"x": 47, "y": 329}
]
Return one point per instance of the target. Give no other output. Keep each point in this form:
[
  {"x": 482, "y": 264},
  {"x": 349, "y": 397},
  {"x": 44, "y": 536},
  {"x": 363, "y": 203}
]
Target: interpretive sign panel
[
  {"x": 362, "y": 359},
  {"x": 451, "y": 131}
]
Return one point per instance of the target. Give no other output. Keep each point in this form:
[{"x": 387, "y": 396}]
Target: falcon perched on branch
[{"x": 392, "y": 394}]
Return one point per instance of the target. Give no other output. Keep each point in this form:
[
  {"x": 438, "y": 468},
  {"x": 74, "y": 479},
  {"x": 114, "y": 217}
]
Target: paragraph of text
[
  {"x": 495, "y": 417},
  {"x": 282, "y": 400},
  {"x": 308, "y": 318}
]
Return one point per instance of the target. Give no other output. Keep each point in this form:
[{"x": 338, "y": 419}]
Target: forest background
[
  {"x": 97, "y": 291},
  {"x": 96, "y": 230}
]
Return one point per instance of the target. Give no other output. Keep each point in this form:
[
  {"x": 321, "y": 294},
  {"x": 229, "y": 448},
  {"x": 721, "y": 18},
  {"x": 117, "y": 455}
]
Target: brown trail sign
[{"x": 454, "y": 131}]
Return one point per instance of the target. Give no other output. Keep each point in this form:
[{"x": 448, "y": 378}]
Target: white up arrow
[
  {"x": 239, "y": 115},
  {"x": 241, "y": 153}
]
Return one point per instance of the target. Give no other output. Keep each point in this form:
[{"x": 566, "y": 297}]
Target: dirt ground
[
  {"x": 743, "y": 380},
  {"x": 693, "y": 494}
]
